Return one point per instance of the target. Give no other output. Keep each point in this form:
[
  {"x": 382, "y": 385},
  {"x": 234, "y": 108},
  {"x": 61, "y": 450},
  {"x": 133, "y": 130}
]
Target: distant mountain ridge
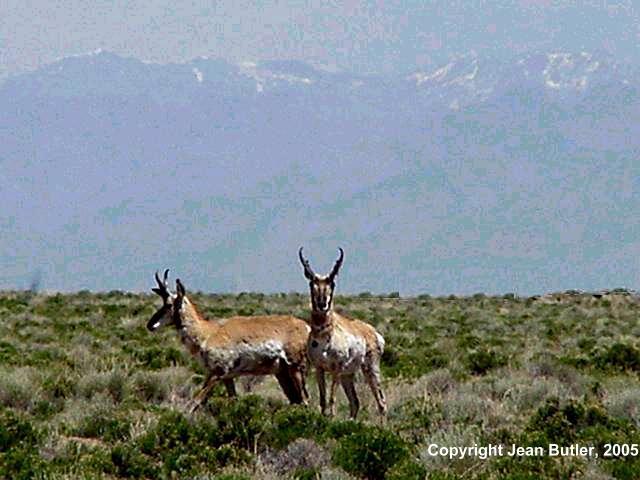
[
  {"x": 475, "y": 175},
  {"x": 102, "y": 72}
]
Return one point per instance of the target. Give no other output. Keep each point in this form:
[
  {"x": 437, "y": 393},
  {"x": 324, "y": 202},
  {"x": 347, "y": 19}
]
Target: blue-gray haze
[
  {"x": 356, "y": 35},
  {"x": 449, "y": 149}
]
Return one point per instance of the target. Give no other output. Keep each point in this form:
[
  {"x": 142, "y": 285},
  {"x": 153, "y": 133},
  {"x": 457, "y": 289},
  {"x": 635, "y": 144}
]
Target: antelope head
[
  {"x": 169, "y": 313},
  {"x": 321, "y": 287}
]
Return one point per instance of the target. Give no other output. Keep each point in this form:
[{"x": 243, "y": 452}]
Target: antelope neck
[
  {"x": 321, "y": 322},
  {"x": 187, "y": 320}
]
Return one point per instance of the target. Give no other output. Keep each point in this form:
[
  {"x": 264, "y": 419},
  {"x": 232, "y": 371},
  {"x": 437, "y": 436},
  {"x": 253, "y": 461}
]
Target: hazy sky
[{"x": 360, "y": 36}]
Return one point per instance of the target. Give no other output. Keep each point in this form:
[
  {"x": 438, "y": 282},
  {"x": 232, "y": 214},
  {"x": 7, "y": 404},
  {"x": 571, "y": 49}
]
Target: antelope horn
[
  {"x": 305, "y": 263},
  {"x": 159, "y": 282},
  {"x": 162, "y": 289},
  {"x": 336, "y": 267}
]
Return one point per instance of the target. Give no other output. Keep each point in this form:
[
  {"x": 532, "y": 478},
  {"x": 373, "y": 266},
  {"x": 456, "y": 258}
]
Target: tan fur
[
  {"x": 228, "y": 333},
  {"x": 231, "y": 347}
]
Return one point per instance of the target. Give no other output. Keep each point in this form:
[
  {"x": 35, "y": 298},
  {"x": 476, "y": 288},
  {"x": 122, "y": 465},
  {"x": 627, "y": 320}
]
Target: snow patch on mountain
[
  {"x": 92, "y": 53},
  {"x": 198, "y": 74},
  {"x": 437, "y": 76},
  {"x": 266, "y": 77},
  {"x": 565, "y": 70}
]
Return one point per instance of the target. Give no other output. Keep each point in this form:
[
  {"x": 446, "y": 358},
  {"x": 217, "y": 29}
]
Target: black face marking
[
  {"x": 321, "y": 294},
  {"x": 314, "y": 344},
  {"x": 152, "y": 324}
]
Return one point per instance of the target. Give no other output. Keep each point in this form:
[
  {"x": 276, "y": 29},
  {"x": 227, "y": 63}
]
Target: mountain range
[{"x": 478, "y": 175}]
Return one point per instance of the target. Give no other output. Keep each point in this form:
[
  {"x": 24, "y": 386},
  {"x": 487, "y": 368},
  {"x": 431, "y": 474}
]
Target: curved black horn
[
  {"x": 162, "y": 289},
  {"x": 162, "y": 284},
  {"x": 336, "y": 267},
  {"x": 308, "y": 271}
]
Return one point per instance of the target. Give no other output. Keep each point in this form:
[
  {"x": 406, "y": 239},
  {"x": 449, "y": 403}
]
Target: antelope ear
[
  {"x": 157, "y": 290},
  {"x": 180, "y": 292},
  {"x": 180, "y": 288}
]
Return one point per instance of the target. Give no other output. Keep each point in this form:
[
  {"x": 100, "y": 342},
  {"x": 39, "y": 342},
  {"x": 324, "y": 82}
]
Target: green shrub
[
  {"x": 105, "y": 425},
  {"x": 625, "y": 469},
  {"x": 480, "y": 362},
  {"x": 343, "y": 428},
  {"x": 88, "y": 464},
  {"x": 411, "y": 361},
  {"x": 296, "y": 422},
  {"x": 59, "y": 386},
  {"x": 407, "y": 470},
  {"x": 563, "y": 424},
  {"x": 225, "y": 455},
  {"x": 21, "y": 464},
  {"x": 19, "y": 440},
  {"x": 17, "y": 432},
  {"x": 9, "y": 354},
  {"x": 241, "y": 421},
  {"x": 151, "y": 387},
  {"x": 44, "y": 357},
  {"x": 13, "y": 305},
  {"x": 370, "y": 452},
  {"x": 52, "y": 306},
  {"x": 249, "y": 310},
  {"x": 171, "y": 431},
  {"x": 112, "y": 311},
  {"x": 468, "y": 340},
  {"x": 306, "y": 474},
  {"x": 130, "y": 463},
  {"x": 415, "y": 417},
  {"x": 618, "y": 356},
  {"x": 232, "y": 476},
  {"x": 189, "y": 446},
  {"x": 557, "y": 423},
  {"x": 44, "y": 409}
]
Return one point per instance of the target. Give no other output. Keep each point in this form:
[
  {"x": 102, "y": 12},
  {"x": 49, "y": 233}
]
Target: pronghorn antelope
[
  {"x": 340, "y": 345},
  {"x": 237, "y": 346}
]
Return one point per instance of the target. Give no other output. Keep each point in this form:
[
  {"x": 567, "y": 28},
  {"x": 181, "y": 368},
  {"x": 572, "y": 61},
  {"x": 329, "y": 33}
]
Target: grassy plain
[{"x": 87, "y": 392}]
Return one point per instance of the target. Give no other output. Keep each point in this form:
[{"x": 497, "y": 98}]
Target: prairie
[{"x": 87, "y": 392}]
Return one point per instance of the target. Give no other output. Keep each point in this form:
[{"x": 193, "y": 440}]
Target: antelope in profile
[
  {"x": 236, "y": 346},
  {"x": 340, "y": 345}
]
